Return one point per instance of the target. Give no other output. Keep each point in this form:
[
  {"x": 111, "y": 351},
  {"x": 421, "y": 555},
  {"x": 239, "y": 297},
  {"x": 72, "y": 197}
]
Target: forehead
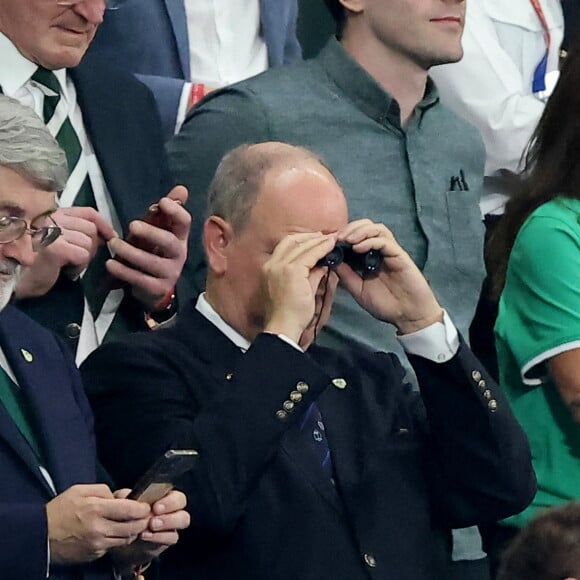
[
  {"x": 298, "y": 199},
  {"x": 20, "y": 198}
]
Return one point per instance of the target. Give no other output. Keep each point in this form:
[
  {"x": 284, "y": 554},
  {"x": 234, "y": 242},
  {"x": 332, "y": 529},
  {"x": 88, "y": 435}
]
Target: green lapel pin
[{"x": 339, "y": 383}]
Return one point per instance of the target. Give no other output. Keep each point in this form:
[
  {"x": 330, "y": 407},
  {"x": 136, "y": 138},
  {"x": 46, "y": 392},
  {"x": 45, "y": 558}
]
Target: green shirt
[{"x": 539, "y": 317}]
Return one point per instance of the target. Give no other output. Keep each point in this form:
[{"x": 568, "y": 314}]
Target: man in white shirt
[
  {"x": 314, "y": 462},
  {"x": 108, "y": 126},
  {"x": 509, "y": 67},
  {"x": 183, "y": 48}
]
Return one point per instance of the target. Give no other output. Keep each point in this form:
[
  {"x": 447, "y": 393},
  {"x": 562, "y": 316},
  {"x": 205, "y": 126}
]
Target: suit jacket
[
  {"x": 126, "y": 136},
  {"x": 150, "y": 39},
  {"x": 260, "y": 509},
  {"x": 52, "y": 387}
]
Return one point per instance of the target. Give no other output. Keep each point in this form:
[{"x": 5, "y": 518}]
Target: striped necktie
[
  {"x": 313, "y": 434},
  {"x": 78, "y": 190}
]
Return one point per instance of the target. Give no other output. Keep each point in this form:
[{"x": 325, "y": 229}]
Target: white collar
[
  {"x": 16, "y": 70},
  {"x": 207, "y": 311}
]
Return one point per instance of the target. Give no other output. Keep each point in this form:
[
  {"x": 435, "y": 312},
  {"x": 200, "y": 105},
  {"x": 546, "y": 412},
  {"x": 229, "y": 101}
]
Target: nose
[
  {"x": 91, "y": 10},
  {"x": 20, "y": 250}
]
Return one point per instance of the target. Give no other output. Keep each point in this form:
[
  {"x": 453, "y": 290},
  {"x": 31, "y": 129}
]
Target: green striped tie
[{"x": 78, "y": 186}]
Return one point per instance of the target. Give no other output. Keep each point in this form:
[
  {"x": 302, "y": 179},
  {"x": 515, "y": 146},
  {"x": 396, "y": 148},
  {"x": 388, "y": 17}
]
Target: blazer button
[
  {"x": 476, "y": 376},
  {"x": 302, "y": 387},
  {"x": 295, "y": 396},
  {"x": 370, "y": 561},
  {"x": 281, "y": 415},
  {"x": 72, "y": 330},
  {"x": 288, "y": 406},
  {"x": 492, "y": 405}
]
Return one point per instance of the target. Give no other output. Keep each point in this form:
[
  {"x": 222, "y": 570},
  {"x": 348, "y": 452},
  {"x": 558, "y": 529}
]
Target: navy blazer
[
  {"x": 260, "y": 510},
  {"x": 51, "y": 384},
  {"x": 123, "y": 125},
  {"x": 150, "y": 38}
]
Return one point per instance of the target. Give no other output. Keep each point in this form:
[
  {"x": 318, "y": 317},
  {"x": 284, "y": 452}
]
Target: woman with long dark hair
[{"x": 535, "y": 253}]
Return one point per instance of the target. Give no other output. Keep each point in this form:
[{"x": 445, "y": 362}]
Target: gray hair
[
  {"x": 240, "y": 175},
  {"x": 27, "y": 147}
]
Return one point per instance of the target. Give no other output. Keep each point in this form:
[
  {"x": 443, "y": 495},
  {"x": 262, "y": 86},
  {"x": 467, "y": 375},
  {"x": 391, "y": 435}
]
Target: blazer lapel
[
  {"x": 8, "y": 430},
  {"x": 54, "y": 409},
  {"x": 12, "y": 436},
  {"x": 105, "y": 118},
  {"x": 178, "y": 17}
]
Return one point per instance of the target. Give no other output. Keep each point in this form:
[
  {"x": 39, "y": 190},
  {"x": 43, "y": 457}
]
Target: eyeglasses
[
  {"x": 109, "y": 4},
  {"x": 13, "y": 228}
]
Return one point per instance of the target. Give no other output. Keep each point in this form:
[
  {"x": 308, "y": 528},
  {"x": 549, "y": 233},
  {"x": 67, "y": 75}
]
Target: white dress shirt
[
  {"x": 15, "y": 79},
  {"x": 491, "y": 87},
  {"x": 225, "y": 45},
  {"x": 438, "y": 342}
]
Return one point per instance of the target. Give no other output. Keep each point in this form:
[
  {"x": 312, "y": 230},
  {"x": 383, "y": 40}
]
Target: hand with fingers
[
  {"x": 83, "y": 230},
  {"x": 168, "y": 516},
  {"x": 152, "y": 257},
  {"x": 399, "y": 294},
  {"x": 291, "y": 284},
  {"x": 86, "y": 521}
]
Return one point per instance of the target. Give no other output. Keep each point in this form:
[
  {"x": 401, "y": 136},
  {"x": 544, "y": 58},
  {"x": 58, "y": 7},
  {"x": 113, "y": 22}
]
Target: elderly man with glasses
[
  {"x": 60, "y": 522},
  {"x": 109, "y": 128}
]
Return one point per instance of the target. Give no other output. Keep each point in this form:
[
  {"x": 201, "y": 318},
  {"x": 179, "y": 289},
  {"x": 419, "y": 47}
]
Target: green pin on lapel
[
  {"x": 26, "y": 355},
  {"x": 339, "y": 383}
]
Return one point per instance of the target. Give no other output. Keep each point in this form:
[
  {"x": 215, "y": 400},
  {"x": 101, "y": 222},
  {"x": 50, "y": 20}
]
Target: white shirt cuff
[
  {"x": 183, "y": 104},
  {"x": 438, "y": 342}
]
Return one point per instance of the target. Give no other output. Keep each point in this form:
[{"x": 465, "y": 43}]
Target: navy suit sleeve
[
  {"x": 480, "y": 460},
  {"x": 217, "y": 125},
  {"x": 292, "y": 48}
]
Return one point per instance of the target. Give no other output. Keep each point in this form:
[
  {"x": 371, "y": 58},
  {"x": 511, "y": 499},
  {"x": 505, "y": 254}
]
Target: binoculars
[{"x": 366, "y": 265}]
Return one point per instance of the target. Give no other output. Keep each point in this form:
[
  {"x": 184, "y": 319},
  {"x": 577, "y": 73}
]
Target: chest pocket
[{"x": 465, "y": 228}]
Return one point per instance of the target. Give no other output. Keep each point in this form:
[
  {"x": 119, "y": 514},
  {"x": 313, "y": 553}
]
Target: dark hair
[
  {"x": 551, "y": 166},
  {"x": 548, "y": 548},
  {"x": 338, "y": 12}
]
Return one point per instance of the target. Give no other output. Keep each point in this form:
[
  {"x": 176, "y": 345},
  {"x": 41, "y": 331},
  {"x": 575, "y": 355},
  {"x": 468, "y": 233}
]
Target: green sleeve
[{"x": 541, "y": 300}]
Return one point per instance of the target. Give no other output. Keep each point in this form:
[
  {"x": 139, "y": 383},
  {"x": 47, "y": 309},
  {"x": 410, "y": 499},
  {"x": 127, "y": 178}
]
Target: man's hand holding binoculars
[
  {"x": 392, "y": 290},
  {"x": 398, "y": 293}
]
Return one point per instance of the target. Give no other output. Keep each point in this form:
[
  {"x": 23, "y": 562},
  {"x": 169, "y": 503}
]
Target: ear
[
  {"x": 217, "y": 235},
  {"x": 354, "y": 6}
]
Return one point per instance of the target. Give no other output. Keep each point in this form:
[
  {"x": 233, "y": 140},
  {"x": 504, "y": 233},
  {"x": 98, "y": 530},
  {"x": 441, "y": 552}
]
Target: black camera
[{"x": 367, "y": 264}]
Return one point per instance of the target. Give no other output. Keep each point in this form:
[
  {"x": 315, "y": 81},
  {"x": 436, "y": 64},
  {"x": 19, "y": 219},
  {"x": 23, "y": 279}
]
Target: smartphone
[
  {"x": 153, "y": 216},
  {"x": 160, "y": 478}
]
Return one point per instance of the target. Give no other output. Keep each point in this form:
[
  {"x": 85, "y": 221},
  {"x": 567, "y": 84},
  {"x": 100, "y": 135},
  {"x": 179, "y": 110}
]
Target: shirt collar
[
  {"x": 362, "y": 89},
  {"x": 206, "y": 310},
  {"x": 16, "y": 70}
]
